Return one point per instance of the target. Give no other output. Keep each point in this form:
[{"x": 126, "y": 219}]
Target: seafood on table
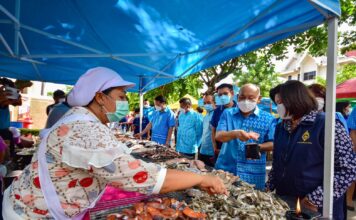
[
  {"x": 165, "y": 208},
  {"x": 186, "y": 164},
  {"x": 243, "y": 202},
  {"x": 159, "y": 154}
]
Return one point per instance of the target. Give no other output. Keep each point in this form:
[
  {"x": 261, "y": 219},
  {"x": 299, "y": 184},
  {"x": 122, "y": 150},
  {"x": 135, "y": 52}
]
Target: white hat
[{"x": 95, "y": 80}]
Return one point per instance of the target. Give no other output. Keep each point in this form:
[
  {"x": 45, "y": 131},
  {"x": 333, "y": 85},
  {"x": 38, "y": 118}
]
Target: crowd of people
[
  {"x": 295, "y": 138},
  {"x": 77, "y": 135}
]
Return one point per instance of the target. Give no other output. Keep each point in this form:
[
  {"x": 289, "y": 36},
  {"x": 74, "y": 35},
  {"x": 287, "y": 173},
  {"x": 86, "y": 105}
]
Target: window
[
  {"x": 309, "y": 75},
  {"x": 289, "y": 77}
]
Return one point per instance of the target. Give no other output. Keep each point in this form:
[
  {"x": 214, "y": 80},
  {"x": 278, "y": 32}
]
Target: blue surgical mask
[
  {"x": 225, "y": 99},
  {"x": 208, "y": 107}
]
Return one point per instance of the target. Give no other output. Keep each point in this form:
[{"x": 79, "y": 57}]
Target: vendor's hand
[
  {"x": 213, "y": 185},
  {"x": 309, "y": 205}
]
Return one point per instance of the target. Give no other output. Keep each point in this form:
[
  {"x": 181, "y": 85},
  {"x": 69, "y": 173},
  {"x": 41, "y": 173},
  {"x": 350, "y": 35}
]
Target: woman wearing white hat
[{"x": 79, "y": 156}]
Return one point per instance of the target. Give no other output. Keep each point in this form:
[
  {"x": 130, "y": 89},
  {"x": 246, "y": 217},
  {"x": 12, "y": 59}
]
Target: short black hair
[
  {"x": 297, "y": 99},
  {"x": 340, "y": 106},
  {"x": 273, "y": 92},
  {"x": 146, "y": 100},
  {"x": 59, "y": 94},
  {"x": 161, "y": 99},
  {"x": 185, "y": 101},
  {"x": 137, "y": 110},
  {"x": 225, "y": 85},
  {"x": 200, "y": 109},
  {"x": 7, "y": 82}
]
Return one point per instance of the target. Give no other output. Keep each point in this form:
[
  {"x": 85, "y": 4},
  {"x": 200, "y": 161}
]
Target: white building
[{"x": 305, "y": 68}]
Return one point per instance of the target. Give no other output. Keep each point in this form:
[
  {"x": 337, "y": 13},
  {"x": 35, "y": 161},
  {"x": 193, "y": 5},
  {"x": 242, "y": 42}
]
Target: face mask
[
  {"x": 122, "y": 109},
  {"x": 217, "y": 100},
  {"x": 208, "y": 107},
  {"x": 225, "y": 99},
  {"x": 247, "y": 105},
  {"x": 281, "y": 109},
  {"x": 158, "y": 108},
  {"x": 181, "y": 110},
  {"x": 321, "y": 103},
  {"x": 146, "y": 106},
  {"x": 137, "y": 115}
]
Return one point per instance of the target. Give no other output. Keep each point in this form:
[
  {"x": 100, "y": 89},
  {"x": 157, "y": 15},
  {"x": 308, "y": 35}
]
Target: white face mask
[
  {"x": 247, "y": 105},
  {"x": 146, "y": 106},
  {"x": 182, "y": 110},
  {"x": 158, "y": 108},
  {"x": 281, "y": 109},
  {"x": 321, "y": 103}
]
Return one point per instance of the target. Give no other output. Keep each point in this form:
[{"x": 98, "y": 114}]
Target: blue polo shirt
[
  {"x": 206, "y": 142},
  {"x": 190, "y": 128},
  {"x": 161, "y": 122},
  {"x": 148, "y": 112},
  {"x": 232, "y": 155},
  {"x": 4, "y": 117}
]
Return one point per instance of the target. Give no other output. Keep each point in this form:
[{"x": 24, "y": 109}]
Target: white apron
[{"x": 49, "y": 192}]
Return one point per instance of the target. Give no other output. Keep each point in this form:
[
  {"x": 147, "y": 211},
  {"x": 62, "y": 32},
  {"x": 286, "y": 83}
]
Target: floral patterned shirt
[{"x": 78, "y": 186}]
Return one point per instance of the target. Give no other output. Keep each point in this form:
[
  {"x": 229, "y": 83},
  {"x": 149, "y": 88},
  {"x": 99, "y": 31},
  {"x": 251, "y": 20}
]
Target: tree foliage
[
  {"x": 258, "y": 71},
  {"x": 347, "y": 72},
  {"x": 172, "y": 91}
]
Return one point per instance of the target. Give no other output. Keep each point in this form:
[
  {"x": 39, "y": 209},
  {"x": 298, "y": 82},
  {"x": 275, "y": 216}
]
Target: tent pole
[
  {"x": 17, "y": 27},
  {"x": 141, "y": 102},
  {"x": 330, "y": 120}
]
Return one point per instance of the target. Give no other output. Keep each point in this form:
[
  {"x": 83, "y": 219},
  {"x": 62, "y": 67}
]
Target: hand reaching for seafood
[{"x": 213, "y": 185}]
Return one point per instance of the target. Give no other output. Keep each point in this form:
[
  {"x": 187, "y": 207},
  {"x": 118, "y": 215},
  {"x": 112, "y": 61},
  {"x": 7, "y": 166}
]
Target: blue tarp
[{"x": 149, "y": 42}]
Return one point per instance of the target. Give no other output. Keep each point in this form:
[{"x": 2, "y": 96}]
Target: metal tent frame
[{"x": 119, "y": 57}]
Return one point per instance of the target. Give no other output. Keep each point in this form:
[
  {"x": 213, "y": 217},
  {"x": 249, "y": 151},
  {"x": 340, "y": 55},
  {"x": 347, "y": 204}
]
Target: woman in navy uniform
[{"x": 298, "y": 154}]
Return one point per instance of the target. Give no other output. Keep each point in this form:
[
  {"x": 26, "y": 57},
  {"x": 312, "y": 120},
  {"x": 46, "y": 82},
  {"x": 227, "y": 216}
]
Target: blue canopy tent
[{"x": 155, "y": 42}]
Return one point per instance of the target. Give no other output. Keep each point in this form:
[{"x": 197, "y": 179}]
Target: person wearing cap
[
  {"x": 58, "y": 97},
  {"x": 79, "y": 156}
]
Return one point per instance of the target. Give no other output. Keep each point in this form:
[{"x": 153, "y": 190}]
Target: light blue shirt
[
  {"x": 343, "y": 121},
  {"x": 351, "y": 121},
  {"x": 232, "y": 154},
  {"x": 190, "y": 129},
  {"x": 206, "y": 142},
  {"x": 162, "y": 121},
  {"x": 148, "y": 112}
]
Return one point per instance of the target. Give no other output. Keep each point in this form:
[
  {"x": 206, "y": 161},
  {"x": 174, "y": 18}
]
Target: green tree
[
  {"x": 172, "y": 91},
  {"x": 258, "y": 71},
  {"x": 347, "y": 72}
]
